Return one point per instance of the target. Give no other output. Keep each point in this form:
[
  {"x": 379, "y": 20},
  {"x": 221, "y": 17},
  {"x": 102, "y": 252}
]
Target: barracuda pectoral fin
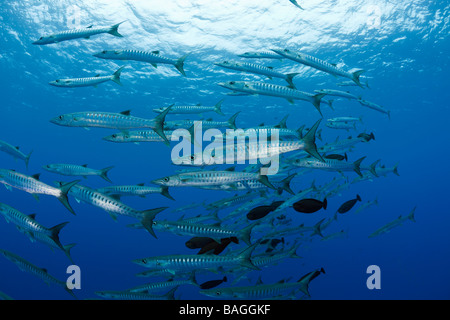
[
  {"x": 291, "y": 101},
  {"x": 35, "y": 196},
  {"x": 8, "y": 187}
]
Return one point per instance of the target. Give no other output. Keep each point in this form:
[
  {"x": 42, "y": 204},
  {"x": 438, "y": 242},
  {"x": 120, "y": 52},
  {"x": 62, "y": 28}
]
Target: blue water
[{"x": 403, "y": 46}]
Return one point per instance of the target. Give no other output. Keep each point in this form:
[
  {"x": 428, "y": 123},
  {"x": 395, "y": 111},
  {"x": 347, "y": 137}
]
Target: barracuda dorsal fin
[
  {"x": 84, "y": 165},
  {"x": 36, "y": 176},
  {"x": 126, "y": 112},
  {"x": 155, "y": 52},
  {"x": 32, "y": 216},
  {"x": 17, "y": 147}
]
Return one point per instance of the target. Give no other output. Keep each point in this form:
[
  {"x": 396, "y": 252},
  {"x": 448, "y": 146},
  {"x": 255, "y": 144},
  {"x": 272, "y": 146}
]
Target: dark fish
[
  {"x": 346, "y": 206},
  {"x": 212, "y": 283},
  {"x": 198, "y": 242},
  {"x": 262, "y": 211},
  {"x": 366, "y": 136},
  {"x": 215, "y": 247},
  {"x": 309, "y": 205},
  {"x": 337, "y": 157}
]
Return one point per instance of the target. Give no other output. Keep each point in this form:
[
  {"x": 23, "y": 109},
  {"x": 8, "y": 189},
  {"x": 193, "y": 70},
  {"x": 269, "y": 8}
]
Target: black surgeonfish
[
  {"x": 366, "y": 136},
  {"x": 346, "y": 206},
  {"x": 198, "y": 242},
  {"x": 262, "y": 211},
  {"x": 337, "y": 157},
  {"x": 309, "y": 205},
  {"x": 212, "y": 283},
  {"x": 216, "y": 247}
]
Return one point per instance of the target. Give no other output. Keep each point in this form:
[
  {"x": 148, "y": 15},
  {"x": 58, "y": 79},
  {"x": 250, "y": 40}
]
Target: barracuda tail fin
[
  {"x": 159, "y": 124},
  {"x": 116, "y": 76},
  {"x": 27, "y": 159},
  {"x": 285, "y": 184},
  {"x": 55, "y": 234},
  {"x": 218, "y": 106},
  {"x": 317, "y": 228},
  {"x": 310, "y": 142},
  {"x": 147, "y": 219},
  {"x": 244, "y": 257},
  {"x": 373, "y": 169},
  {"x": 180, "y": 64},
  {"x": 104, "y": 173},
  {"x": 265, "y": 181},
  {"x": 282, "y": 124},
  {"x": 289, "y": 78},
  {"x": 165, "y": 192},
  {"x": 355, "y": 77},
  {"x": 64, "y": 188},
  {"x": 316, "y": 101},
  {"x": 232, "y": 121},
  {"x": 306, "y": 279},
  {"x": 67, "y": 249},
  {"x": 395, "y": 171},
  {"x": 357, "y": 166},
  {"x": 114, "y": 30}
]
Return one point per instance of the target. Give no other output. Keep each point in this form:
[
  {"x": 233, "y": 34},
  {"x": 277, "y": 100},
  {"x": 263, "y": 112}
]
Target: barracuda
[
  {"x": 15, "y": 152},
  {"x": 265, "y": 291},
  {"x": 85, "y": 33},
  {"x": 208, "y": 178},
  {"x": 194, "y": 109},
  {"x": 76, "y": 170},
  {"x": 338, "y": 93},
  {"x": 186, "y": 262},
  {"x": 176, "y": 124},
  {"x": 261, "y": 55},
  {"x": 30, "y": 227},
  {"x": 320, "y": 64},
  {"x": 274, "y": 90},
  {"x": 114, "y": 207},
  {"x": 88, "y": 82},
  {"x": 247, "y": 150},
  {"x": 137, "y": 136},
  {"x": 32, "y": 185},
  {"x": 152, "y": 57},
  {"x": 128, "y": 295},
  {"x": 200, "y": 230},
  {"x": 41, "y": 273},
  {"x": 329, "y": 164},
  {"x": 375, "y": 106},
  {"x": 156, "y": 286},
  {"x": 396, "y": 223},
  {"x": 341, "y": 125},
  {"x": 139, "y": 190},
  {"x": 258, "y": 69},
  {"x": 120, "y": 121}
]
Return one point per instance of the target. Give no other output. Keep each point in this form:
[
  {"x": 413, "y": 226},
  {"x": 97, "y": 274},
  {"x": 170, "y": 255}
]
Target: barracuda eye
[
  {"x": 218, "y": 293},
  {"x": 114, "y": 135},
  {"x": 232, "y": 82},
  {"x": 41, "y": 38},
  {"x": 61, "y": 117},
  {"x": 192, "y": 157},
  {"x": 166, "y": 179},
  {"x": 126, "y": 136},
  {"x": 104, "y": 51}
]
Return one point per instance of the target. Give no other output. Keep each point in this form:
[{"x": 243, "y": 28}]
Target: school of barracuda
[{"x": 257, "y": 233}]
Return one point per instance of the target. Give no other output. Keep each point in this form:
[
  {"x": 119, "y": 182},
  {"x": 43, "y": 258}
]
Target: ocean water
[{"x": 403, "y": 48}]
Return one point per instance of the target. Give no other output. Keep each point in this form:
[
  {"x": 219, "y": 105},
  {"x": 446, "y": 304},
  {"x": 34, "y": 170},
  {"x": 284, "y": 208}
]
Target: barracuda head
[
  {"x": 224, "y": 64},
  {"x": 45, "y": 40},
  {"x": 108, "y": 54},
  {"x": 148, "y": 262},
  {"x": 51, "y": 168},
  {"x": 60, "y": 83},
  {"x": 233, "y": 85},
  {"x": 117, "y": 137},
  {"x": 70, "y": 120},
  {"x": 171, "y": 181}
]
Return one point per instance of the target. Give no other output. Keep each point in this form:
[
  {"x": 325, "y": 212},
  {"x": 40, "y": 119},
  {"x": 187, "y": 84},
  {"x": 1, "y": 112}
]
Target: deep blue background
[{"x": 408, "y": 77}]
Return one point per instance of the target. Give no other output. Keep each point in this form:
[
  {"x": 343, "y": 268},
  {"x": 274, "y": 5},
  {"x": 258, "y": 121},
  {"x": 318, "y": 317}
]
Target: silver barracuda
[
  {"x": 189, "y": 262},
  {"x": 84, "y": 33},
  {"x": 153, "y": 57},
  {"x": 129, "y": 295},
  {"x": 120, "y": 121},
  {"x": 197, "y": 109},
  {"x": 31, "y": 228},
  {"x": 366, "y": 205},
  {"x": 88, "y": 82},
  {"x": 248, "y": 150},
  {"x": 320, "y": 64},
  {"x": 261, "y": 55},
  {"x": 34, "y": 186},
  {"x": 375, "y": 106},
  {"x": 209, "y": 123},
  {"x": 138, "y": 136},
  {"x": 329, "y": 164},
  {"x": 273, "y": 90},
  {"x": 345, "y": 119},
  {"x": 41, "y": 273},
  {"x": 140, "y": 190},
  {"x": 157, "y": 286},
  {"x": 341, "y": 125},
  {"x": 265, "y": 291},
  {"x": 295, "y": 3},
  {"x": 338, "y": 93},
  {"x": 203, "y": 230},
  {"x": 15, "y": 152},
  {"x": 114, "y": 207},
  {"x": 396, "y": 223},
  {"x": 258, "y": 69},
  {"x": 210, "y": 178},
  {"x": 77, "y": 170},
  {"x": 353, "y": 84}
]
